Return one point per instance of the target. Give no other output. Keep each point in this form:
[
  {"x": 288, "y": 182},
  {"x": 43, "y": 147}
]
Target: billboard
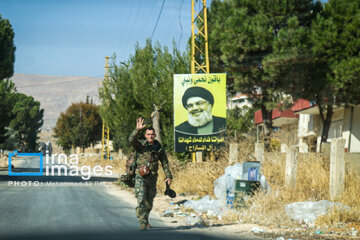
[{"x": 199, "y": 112}]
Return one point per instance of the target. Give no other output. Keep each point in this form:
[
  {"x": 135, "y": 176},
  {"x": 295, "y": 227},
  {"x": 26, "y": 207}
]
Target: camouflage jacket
[{"x": 147, "y": 154}]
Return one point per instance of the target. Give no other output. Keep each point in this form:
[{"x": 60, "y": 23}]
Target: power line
[
  {"x": 171, "y": 27},
  {"x": 147, "y": 20},
  {"x": 134, "y": 22},
  {"x": 126, "y": 25},
  {"x": 157, "y": 21},
  {"x": 180, "y": 24}
]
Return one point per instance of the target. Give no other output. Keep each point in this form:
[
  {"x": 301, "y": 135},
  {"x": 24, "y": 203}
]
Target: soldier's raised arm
[{"x": 134, "y": 137}]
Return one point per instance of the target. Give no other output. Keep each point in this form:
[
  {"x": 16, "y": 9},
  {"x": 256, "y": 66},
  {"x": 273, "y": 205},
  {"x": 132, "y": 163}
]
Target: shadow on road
[
  {"x": 151, "y": 234},
  {"x": 64, "y": 177},
  {"x": 55, "y": 179}
]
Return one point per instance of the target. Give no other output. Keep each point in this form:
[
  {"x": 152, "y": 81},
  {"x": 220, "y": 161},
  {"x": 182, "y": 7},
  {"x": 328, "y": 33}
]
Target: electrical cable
[
  {"x": 180, "y": 24},
  {"x": 147, "y": 20},
  {"x": 126, "y": 27},
  {"x": 170, "y": 28},
  {"x": 157, "y": 21},
  {"x": 133, "y": 25}
]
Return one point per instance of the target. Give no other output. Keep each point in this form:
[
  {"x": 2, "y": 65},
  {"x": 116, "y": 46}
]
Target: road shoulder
[{"x": 233, "y": 231}]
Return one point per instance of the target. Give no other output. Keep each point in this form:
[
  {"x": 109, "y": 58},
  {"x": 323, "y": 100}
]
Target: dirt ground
[
  {"x": 161, "y": 203},
  {"x": 236, "y": 230}
]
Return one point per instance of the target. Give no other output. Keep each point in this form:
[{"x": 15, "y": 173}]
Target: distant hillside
[{"x": 56, "y": 93}]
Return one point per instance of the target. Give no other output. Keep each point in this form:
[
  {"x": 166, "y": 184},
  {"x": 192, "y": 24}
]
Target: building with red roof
[{"x": 304, "y": 120}]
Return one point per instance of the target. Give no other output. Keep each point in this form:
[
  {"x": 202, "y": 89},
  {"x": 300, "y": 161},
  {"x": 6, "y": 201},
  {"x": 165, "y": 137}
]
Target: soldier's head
[
  {"x": 199, "y": 102},
  {"x": 150, "y": 134}
]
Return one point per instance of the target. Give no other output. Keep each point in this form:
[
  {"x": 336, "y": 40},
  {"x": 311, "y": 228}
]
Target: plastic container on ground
[
  {"x": 224, "y": 189},
  {"x": 308, "y": 211},
  {"x": 251, "y": 171},
  {"x": 247, "y": 187}
]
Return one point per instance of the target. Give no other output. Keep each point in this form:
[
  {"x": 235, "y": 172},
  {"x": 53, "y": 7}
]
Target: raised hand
[{"x": 140, "y": 123}]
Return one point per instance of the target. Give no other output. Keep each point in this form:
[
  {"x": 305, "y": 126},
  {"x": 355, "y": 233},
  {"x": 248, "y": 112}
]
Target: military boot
[{"x": 142, "y": 227}]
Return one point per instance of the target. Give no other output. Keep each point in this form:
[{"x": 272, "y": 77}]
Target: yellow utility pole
[
  {"x": 199, "y": 45},
  {"x": 105, "y": 139},
  {"x": 199, "y": 32}
]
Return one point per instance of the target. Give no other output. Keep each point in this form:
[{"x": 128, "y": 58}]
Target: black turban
[{"x": 197, "y": 92}]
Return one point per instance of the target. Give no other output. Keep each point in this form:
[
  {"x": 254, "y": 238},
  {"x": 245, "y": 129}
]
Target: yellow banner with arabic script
[{"x": 199, "y": 111}]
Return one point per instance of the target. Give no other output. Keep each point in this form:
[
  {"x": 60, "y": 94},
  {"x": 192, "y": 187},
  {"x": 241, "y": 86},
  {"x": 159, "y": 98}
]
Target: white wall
[{"x": 355, "y": 131}]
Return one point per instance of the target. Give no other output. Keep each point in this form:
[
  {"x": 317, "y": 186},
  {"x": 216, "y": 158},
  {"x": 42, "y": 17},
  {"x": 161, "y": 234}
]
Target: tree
[
  {"x": 336, "y": 45},
  {"x": 7, "y": 100},
  {"x": 7, "y": 88},
  {"x": 27, "y": 119},
  {"x": 321, "y": 62},
  {"x": 137, "y": 87},
  {"x": 244, "y": 36},
  {"x": 79, "y": 126},
  {"x": 240, "y": 120},
  {"x": 7, "y": 49},
  {"x": 11, "y": 140}
]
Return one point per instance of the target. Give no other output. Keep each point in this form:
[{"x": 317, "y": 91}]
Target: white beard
[{"x": 201, "y": 120}]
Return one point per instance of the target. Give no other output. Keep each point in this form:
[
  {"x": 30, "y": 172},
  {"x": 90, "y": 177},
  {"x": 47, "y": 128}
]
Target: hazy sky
[{"x": 72, "y": 37}]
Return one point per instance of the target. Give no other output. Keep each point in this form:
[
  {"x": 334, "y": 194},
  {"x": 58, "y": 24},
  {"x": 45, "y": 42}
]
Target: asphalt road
[{"x": 64, "y": 207}]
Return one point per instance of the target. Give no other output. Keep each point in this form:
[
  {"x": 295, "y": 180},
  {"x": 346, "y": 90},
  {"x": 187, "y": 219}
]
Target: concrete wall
[
  {"x": 345, "y": 124},
  {"x": 308, "y": 125},
  {"x": 355, "y": 131}
]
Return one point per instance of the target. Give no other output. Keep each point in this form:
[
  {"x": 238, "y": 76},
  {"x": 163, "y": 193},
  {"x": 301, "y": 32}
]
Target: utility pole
[
  {"x": 105, "y": 138},
  {"x": 199, "y": 49},
  {"x": 199, "y": 32}
]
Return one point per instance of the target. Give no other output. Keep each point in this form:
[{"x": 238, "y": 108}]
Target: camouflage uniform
[{"x": 145, "y": 187}]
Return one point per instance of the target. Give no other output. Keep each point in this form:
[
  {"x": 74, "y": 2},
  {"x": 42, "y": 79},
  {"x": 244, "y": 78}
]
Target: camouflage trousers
[{"x": 145, "y": 192}]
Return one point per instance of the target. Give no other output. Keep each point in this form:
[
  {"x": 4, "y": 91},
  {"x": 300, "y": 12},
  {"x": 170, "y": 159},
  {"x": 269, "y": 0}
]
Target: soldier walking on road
[{"x": 148, "y": 154}]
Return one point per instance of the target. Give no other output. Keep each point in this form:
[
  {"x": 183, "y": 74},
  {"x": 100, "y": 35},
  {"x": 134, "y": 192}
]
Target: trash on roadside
[
  {"x": 224, "y": 188},
  {"x": 178, "y": 213},
  {"x": 280, "y": 238},
  {"x": 206, "y": 204},
  {"x": 318, "y": 232},
  {"x": 167, "y": 213},
  {"x": 182, "y": 214},
  {"x": 308, "y": 211},
  {"x": 210, "y": 213},
  {"x": 257, "y": 230},
  {"x": 265, "y": 186},
  {"x": 181, "y": 202},
  {"x": 194, "y": 221}
]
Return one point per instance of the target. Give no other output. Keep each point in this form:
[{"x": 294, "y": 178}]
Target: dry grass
[
  {"x": 312, "y": 185},
  {"x": 351, "y": 198},
  {"x": 268, "y": 209},
  {"x": 193, "y": 178}
]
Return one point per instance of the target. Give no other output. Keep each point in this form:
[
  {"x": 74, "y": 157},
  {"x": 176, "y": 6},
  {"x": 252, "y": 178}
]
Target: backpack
[{"x": 129, "y": 177}]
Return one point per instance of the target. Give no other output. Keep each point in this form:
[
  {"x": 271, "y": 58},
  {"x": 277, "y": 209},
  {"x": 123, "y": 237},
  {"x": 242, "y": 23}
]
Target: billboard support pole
[{"x": 198, "y": 31}]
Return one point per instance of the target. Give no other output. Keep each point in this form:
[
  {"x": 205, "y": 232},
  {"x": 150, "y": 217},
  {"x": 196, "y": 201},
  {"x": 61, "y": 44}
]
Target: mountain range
[{"x": 57, "y": 93}]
